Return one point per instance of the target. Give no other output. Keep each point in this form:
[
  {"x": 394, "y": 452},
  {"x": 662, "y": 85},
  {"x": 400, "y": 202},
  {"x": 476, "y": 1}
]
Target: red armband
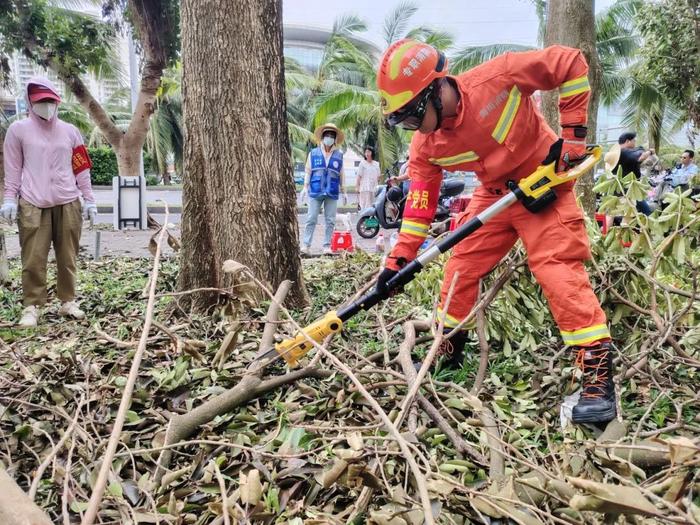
[
  {"x": 422, "y": 199},
  {"x": 80, "y": 160}
]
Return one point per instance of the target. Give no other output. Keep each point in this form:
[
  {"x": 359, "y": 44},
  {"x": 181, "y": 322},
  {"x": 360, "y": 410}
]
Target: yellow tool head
[
  {"x": 301, "y": 344},
  {"x": 545, "y": 178}
]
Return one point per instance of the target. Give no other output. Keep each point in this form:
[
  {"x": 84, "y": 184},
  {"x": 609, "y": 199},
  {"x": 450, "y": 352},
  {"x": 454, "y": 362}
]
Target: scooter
[{"x": 387, "y": 210}]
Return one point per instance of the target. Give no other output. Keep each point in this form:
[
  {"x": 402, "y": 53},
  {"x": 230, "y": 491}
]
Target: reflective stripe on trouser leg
[
  {"x": 450, "y": 322},
  {"x": 557, "y": 244},
  {"x": 586, "y": 335}
]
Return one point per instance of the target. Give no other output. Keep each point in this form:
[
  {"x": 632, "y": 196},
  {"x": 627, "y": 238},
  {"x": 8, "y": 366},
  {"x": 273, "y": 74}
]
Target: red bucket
[{"x": 341, "y": 241}]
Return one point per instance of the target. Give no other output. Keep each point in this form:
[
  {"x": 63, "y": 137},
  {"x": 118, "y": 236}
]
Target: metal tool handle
[{"x": 536, "y": 184}]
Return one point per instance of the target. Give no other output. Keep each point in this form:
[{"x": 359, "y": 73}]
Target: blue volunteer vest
[{"x": 325, "y": 180}]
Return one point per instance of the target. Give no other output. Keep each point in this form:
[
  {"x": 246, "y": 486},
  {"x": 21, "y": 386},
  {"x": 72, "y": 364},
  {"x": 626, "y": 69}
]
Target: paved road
[
  {"x": 172, "y": 197},
  {"x": 134, "y": 243}
]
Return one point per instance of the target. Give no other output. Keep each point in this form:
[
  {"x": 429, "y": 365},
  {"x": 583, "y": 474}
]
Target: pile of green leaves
[{"x": 305, "y": 452}]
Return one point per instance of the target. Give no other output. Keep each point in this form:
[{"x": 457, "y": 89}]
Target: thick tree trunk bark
[
  {"x": 572, "y": 23},
  {"x": 238, "y": 196}
]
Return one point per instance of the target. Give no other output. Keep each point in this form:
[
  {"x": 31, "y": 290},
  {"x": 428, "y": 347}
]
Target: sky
[{"x": 472, "y": 22}]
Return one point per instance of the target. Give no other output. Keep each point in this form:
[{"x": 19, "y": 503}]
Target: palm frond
[
  {"x": 346, "y": 25},
  {"x": 441, "y": 40},
  {"x": 471, "y": 56},
  {"x": 299, "y": 134},
  {"x": 396, "y": 21},
  {"x": 343, "y": 99}
]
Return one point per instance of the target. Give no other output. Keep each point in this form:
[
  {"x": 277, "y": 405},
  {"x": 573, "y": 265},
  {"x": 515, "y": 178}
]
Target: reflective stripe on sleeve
[
  {"x": 467, "y": 156},
  {"x": 417, "y": 229},
  {"x": 574, "y": 87}
]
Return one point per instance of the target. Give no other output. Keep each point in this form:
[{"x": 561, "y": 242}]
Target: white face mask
[
  {"x": 45, "y": 110},
  {"x": 328, "y": 141}
]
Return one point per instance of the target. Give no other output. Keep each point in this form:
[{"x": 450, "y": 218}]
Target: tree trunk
[
  {"x": 239, "y": 200},
  {"x": 129, "y": 159},
  {"x": 16, "y": 508},
  {"x": 572, "y": 23}
]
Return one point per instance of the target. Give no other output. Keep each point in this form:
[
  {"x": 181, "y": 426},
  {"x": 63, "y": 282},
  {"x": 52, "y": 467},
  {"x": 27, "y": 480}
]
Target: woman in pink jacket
[{"x": 47, "y": 169}]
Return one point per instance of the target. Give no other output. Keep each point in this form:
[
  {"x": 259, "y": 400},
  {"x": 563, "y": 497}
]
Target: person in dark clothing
[{"x": 631, "y": 158}]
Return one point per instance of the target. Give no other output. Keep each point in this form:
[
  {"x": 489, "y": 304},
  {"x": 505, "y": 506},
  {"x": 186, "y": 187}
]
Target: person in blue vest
[{"x": 324, "y": 182}]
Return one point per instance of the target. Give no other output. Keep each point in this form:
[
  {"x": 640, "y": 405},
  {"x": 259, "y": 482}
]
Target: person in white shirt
[
  {"x": 367, "y": 178},
  {"x": 683, "y": 174}
]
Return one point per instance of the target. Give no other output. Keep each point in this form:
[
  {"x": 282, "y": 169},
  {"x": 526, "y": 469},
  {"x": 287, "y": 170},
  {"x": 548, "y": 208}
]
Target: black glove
[
  {"x": 385, "y": 276},
  {"x": 569, "y": 150}
]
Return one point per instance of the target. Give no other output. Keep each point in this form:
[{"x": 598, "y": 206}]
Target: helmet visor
[{"x": 410, "y": 117}]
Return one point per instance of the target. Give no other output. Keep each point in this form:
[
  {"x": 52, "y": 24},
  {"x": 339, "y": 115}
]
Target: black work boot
[
  {"x": 451, "y": 350},
  {"x": 597, "y": 402}
]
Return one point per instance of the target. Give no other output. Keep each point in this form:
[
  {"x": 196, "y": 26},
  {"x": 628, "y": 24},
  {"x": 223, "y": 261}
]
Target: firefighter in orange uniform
[{"x": 485, "y": 121}]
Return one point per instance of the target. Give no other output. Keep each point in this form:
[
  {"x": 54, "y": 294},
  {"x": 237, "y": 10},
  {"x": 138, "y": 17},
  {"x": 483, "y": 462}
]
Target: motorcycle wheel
[{"x": 367, "y": 227}]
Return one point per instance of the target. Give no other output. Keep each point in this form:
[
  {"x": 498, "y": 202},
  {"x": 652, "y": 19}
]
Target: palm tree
[
  {"x": 164, "y": 141},
  {"x": 299, "y": 85}
]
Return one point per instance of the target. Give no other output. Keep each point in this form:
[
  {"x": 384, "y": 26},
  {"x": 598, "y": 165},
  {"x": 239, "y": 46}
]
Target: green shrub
[{"x": 104, "y": 165}]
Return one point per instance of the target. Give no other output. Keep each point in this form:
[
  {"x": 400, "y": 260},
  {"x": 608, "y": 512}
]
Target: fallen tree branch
[
  {"x": 181, "y": 426},
  {"x": 271, "y": 319},
  {"x": 483, "y": 351},
  {"x": 411, "y": 328},
  {"x": 101, "y": 482},
  {"x": 16, "y": 508},
  {"x": 403, "y": 445}
]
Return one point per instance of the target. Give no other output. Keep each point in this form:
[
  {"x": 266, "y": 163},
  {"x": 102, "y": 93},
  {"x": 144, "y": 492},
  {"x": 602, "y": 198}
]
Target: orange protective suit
[{"x": 499, "y": 134}]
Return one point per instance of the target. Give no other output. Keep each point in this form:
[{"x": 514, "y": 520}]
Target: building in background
[
  {"x": 12, "y": 99},
  {"x": 305, "y": 45}
]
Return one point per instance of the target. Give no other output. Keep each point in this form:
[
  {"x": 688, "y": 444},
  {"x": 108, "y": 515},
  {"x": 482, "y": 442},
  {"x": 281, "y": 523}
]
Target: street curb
[
  {"x": 108, "y": 208},
  {"x": 155, "y": 188}
]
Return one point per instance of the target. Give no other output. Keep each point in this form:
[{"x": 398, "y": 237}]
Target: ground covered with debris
[{"x": 351, "y": 436}]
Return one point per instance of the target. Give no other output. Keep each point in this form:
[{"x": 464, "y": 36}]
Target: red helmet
[{"x": 406, "y": 69}]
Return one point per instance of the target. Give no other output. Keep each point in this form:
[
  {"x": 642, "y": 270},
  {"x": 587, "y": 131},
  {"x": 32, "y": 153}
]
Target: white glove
[
  {"x": 90, "y": 211},
  {"x": 9, "y": 211}
]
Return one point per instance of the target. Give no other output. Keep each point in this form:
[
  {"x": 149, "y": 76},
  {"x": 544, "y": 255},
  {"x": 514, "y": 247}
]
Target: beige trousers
[{"x": 38, "y": 229}]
